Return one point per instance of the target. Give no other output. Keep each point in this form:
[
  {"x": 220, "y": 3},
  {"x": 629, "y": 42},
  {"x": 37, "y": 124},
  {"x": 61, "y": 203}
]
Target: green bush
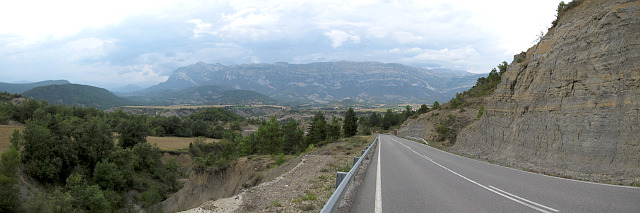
[
  {"x": 9, "y": 163},
  {"x": 151, "y": 196},
  {"x": 108, "y": 176},
  {"x": 480, "y": 111},
  {"x": 280, "y": 160}
]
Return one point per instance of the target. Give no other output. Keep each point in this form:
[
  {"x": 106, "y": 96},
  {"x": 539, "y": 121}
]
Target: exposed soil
[{"x": 302, "y": 184}]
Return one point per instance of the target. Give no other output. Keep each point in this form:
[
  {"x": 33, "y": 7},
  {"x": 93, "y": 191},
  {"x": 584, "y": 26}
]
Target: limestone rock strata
[{"x": 571, "y": 106}]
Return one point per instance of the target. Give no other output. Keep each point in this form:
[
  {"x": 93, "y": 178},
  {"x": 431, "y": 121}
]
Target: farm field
[
  {"x": 198, "y": 106},
  {"x": 5, "y": 135},
  {"x": 174, "y": 143},
  {"x": 164, "y": 143}
]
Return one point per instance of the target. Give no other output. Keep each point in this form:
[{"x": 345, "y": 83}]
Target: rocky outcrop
[{"x": 571, "y": 106}]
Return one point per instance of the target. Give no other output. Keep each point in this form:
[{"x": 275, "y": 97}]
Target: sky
[{"x": 114, "y": 43}]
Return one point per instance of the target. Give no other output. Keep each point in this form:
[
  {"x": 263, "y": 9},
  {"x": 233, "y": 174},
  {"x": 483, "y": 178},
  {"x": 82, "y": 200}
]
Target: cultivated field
[
  {"x": 165, "y": 143},
  {"x": 198, "y": 106},
  {"x": 173, "y": 143},
  {"x": 5, "y": 135}
]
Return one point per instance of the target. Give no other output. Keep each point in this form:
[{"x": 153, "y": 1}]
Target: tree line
[
  {"x": 275, "y": 138},
  {"x": 380, "y": 122}
]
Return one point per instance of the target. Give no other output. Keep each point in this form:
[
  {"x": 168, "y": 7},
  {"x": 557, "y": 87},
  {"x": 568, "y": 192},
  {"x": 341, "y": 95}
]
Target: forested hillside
[{"x": 82, "y": 95}]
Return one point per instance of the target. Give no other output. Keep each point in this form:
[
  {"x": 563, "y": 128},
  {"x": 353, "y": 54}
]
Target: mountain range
[
  {"x": 19, "y": 88},
  {"x": 323, "y": 82},
  {"x": 280, "y": 83}
]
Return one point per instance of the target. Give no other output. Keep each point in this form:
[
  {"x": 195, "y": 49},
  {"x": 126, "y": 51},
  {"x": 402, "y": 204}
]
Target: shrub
[
  {"x": 8, "y": 188},
  {"x": 151, "y": 196},
  {"x": 280, "y": 160},
  {"x": 480, "y": 111}
]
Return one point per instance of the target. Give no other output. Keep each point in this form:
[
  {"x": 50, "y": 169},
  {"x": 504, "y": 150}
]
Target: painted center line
[
  {"x": 525, "y": 202},
  {"x": 378, "y": 203}
]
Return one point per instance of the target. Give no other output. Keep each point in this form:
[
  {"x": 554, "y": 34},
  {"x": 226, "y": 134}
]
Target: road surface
[{"x": 405, "y": 176}]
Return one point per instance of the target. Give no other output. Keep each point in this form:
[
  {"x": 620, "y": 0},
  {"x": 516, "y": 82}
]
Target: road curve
[{"x": 417, "y": 178}]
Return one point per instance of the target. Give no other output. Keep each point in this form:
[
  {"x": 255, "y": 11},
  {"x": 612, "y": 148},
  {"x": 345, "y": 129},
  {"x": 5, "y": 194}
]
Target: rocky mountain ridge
[
  {"x": 326, "y": 81},
  {"x": 571, "y": 104}
]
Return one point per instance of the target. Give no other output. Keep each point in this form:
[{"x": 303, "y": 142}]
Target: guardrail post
[
  {"x": 355, "y": 160},
  {"x": 339, "y": 177},
  {"x": 362, "y": 152}
]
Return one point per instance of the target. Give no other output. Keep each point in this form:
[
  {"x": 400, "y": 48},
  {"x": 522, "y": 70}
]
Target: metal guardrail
[
  {"x": 337, "y": 195},
  {"x": 419, "y": 139}
]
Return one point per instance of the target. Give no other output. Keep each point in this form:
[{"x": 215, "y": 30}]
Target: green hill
[
  {"x": 70, "y": 94},
  {"x": 207, "y": 94},
  {"x": 20, "y": 88}
]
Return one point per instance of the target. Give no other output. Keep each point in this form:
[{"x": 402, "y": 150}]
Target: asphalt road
[{"x": 417, "y": 178}]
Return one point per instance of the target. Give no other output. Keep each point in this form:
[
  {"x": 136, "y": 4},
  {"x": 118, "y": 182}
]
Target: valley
[{"x": 228, "y": 128}]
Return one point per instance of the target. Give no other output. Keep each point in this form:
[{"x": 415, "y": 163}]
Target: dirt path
[{"x": 305, "y": 187}]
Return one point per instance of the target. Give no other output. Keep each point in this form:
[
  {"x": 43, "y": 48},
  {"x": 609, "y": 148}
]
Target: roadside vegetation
[
  {"x": 451, "y": 117},
  {"x": 390, "y": 120}
]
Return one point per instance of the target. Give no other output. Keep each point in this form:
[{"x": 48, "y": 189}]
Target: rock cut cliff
[{"x": 570, "y": 105}]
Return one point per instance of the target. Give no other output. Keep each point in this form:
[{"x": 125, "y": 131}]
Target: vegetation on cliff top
[{"x": 448, "y": 126}]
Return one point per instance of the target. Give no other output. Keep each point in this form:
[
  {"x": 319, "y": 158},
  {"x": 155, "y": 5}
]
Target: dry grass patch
[
  {"x": 174, "y": 143},
  {"x": 5, "y": 135}
]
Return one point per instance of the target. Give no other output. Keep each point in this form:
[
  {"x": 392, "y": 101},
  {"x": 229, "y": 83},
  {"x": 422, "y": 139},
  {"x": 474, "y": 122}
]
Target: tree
[
  {"x": 423, "y": 109},
  {"x": 388, "y": 120},
  {"x": 333, "y": 129},
  {"x": 94, "y": 141},
  {"x": 293, "y": 137},
  {"x": 133, "y": 131},
  {"x": 502, "y": 67},
  {"x": 269, "y": 137},
  {"x": 85, "y": 197},
  {"x": 47, "y": 157},
  {"x": 247, "y": 145},
  {"x": 145, "y": 157},
  {"x": 436, "y": 105},
  {"x": 9, "y": 163},
  {"x": 108, "y": 176},
  {"x": 408, "y": 112},
  {"x": 374, "y": 119},
  {"x": 318, "y": 129},
  {"x": 350, "y": 126}
]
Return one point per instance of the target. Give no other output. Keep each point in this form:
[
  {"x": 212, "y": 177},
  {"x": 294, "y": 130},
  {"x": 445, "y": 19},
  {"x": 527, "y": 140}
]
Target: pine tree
[
  {"x": 318, "y": 129},
  {"x": 293, "y": 137},
  {"x": 350, "y": 127},
  {"x": 270, "y": 137},
  {"x": 333, "y": 129},
  {"x": 388, "y": 119}
]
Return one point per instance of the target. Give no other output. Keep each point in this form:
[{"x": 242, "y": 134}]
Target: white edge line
[
  {"x": 474, "y": 182},
  {"x": 580, "y": 181},
  {"x": 378, "y": 202},
  {"x": 525, "y": 200}
]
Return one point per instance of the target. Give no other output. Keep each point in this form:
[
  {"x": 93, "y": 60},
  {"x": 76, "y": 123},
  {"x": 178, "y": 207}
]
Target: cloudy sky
[{"x": 118, "y": 42}]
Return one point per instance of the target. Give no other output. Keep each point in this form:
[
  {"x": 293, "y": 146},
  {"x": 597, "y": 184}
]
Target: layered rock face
[{"x": 571, "y": 106}]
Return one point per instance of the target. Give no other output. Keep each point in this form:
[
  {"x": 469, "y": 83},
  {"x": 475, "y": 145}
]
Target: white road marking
[
  {"x": 496, "y": 191},
  {"x": 525, "y": 200},
  {"x": 378, "y": 203}
]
